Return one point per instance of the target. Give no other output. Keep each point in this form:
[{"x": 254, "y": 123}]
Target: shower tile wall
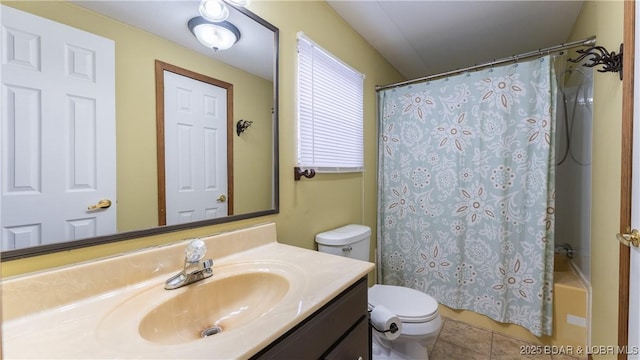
[{"x": 573, "y": 174}]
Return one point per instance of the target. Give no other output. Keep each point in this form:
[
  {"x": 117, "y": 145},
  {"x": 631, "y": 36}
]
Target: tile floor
[{"x": 460, "y": 341}]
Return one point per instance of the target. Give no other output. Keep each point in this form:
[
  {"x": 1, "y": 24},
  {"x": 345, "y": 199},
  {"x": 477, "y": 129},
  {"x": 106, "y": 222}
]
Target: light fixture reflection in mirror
[
  {"x": 217, "y": 36},
  {"x": 240, "y": 3},
  {"x": 213, "y": 10},
  {"x": 216, "y": 10}
]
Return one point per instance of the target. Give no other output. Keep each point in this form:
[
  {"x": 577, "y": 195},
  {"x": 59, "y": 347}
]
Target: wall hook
[
  {"x": 600, "y": 56},
  {"x": 242, "y": 125},
  {"x": 298, "y": 173}
]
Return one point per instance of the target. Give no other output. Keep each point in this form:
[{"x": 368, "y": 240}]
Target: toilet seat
[{"x": 409, "y": 305}]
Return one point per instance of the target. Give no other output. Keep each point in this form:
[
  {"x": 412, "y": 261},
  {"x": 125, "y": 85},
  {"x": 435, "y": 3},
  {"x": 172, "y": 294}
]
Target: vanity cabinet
[{"x": 338, "y": 330}]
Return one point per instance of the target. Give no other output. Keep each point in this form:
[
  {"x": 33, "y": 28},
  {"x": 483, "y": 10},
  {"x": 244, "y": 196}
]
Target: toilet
[{"x": 418, "y": 312}]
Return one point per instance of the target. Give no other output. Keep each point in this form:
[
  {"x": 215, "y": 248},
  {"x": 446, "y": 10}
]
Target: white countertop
[{"x": 95, "y": 325}]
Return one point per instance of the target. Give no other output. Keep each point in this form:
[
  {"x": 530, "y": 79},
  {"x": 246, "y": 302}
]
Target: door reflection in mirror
[
  {"x": 60, "y": 125},
  {"x": 193, "y": 131}
]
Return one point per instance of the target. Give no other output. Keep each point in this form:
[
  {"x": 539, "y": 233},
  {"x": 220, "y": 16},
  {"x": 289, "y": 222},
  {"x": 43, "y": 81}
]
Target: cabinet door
[
  {"x": 355, "y": 345},
  {"x": 318, "y": 334}
]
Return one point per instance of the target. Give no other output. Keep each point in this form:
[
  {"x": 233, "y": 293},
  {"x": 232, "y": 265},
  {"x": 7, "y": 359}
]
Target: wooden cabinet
[
  {"x": 339, "y": 330},
  {"x": 351, "y": 345}
]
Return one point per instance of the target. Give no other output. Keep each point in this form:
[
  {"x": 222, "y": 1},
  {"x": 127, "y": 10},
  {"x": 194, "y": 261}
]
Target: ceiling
[
  {"x": 170, "y": 20},
  {"x": 419, "y": 37},
  {"x": 424, "y": 37}
]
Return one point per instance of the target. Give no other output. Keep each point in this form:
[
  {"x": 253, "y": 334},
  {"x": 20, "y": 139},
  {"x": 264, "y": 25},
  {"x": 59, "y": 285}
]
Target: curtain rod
[{"x": 586, "y": 42}]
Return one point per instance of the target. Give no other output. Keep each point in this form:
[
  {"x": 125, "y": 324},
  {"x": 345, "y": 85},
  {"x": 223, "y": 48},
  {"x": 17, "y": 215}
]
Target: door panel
[
  {"x": 195, "y": 129},
  {"x": 58, "y": 132}
]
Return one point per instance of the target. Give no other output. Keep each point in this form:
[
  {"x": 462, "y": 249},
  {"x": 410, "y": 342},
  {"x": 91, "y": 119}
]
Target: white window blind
[{"x": 330, "y": 111}]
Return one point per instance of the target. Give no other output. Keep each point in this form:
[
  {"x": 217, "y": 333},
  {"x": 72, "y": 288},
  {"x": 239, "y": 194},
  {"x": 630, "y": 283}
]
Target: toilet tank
[{"x": 350, "y": 241}]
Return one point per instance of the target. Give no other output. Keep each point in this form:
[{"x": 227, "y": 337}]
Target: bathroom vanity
[
  {"x": 265, "y": 300},
  {"x": 339, "y": 330}
]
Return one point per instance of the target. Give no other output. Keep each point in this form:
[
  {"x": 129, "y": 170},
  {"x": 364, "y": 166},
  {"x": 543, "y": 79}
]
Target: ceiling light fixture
[
  {"x": 217, "y": 35},
  {"x": 213, "y": 10}
]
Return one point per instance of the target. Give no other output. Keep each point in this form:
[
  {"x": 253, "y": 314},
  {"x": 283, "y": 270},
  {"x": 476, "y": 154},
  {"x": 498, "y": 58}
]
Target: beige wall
[
  {"x": 328, "y": 200},
  {"x": 605, "y": 20},
  {"x": 308, "y": 206},
  {"x": 136, "y": 52}
]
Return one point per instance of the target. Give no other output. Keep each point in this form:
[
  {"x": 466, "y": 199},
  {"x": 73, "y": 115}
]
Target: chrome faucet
[
  {"x": 565, "y": 249},
  {"x": 194, "y": 270}
]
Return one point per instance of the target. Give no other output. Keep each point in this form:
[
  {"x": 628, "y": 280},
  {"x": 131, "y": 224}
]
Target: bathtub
[
  {"x": 571, "y": 306},
  {"x": 571, "y": 311}
]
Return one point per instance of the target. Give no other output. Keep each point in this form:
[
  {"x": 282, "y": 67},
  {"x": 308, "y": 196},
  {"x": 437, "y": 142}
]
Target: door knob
[
  {"x": 630, "y": 239},
  {"x": 222, "y": 198},
  {"x": 102, "y": 204}
]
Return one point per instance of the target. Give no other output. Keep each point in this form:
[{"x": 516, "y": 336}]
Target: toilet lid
[{"x": 408, "y": 304}]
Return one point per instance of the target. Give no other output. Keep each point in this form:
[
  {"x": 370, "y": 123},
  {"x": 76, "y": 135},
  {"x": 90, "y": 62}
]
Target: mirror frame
[{"x": 129, "y": 235}]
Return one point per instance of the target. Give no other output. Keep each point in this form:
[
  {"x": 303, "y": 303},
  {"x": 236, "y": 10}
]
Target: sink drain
[{"x": 210, "y": 331}]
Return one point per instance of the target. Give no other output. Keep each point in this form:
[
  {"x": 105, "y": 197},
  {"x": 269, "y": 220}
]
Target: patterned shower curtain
[{"x": 466, "y": 191}]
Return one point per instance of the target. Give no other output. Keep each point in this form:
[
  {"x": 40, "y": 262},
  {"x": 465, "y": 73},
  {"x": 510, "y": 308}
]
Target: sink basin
[
  {"x": 238, "y": 296},
  {"x": 211, "y": 307}
]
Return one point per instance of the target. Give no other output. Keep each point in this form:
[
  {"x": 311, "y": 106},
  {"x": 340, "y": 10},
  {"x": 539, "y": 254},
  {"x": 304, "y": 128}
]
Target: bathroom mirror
[{"x": 160, "y": 27}]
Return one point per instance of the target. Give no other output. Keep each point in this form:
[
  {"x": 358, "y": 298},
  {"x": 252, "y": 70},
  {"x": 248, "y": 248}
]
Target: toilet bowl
[
  {"x": 421, "y": 322},
  {"x": 418, "y": 312}
]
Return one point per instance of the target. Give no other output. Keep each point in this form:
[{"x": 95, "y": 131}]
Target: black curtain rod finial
[
  {"x": 578, "y": 43},
  {"x": 611, "y": 61}
]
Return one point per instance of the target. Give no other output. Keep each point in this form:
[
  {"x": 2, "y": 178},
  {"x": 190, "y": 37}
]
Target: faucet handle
[
  {"x": 195, "y": 251},
  {"x": 207, "y": 264}
]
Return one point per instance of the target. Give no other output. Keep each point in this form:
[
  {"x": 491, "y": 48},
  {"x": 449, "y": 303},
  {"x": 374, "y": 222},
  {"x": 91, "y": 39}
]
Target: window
[{"x": 330, "y": 111}]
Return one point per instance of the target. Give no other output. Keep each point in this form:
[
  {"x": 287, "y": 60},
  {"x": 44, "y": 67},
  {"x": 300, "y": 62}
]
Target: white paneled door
[
  {"x": 195, "y": 149},
  {"x": 58, "y": 132}
]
